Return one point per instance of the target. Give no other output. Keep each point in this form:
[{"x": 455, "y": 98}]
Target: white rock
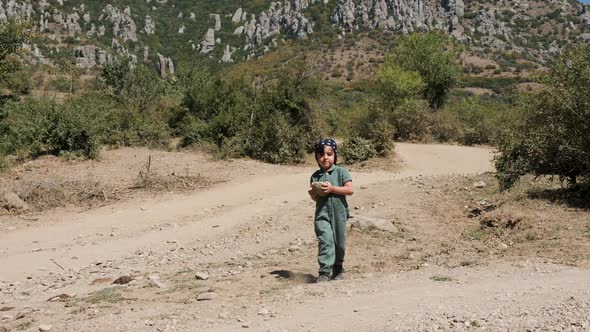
[
  {"x": 480, "y": 184},
  {"x": 373, "y": 224},
  {"x": 201, "y": 276},
  {"x": 156, "y": 281},
  {"x": 207, "y": 296}
]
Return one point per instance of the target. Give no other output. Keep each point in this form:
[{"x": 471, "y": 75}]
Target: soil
[{"x": 239, "y": 252}]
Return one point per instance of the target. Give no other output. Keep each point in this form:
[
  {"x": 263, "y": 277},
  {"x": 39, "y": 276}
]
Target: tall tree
[{"x": 436, "y": 57}]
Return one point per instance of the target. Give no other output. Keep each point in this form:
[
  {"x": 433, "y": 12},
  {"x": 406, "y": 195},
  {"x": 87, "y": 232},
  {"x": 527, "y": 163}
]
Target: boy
[{"x": 329, "y": 187}]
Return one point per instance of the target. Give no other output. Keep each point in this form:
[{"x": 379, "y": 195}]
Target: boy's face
[{"x": 326, "y": 158}]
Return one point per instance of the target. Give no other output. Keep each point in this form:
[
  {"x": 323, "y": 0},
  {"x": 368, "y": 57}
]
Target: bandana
[{"x": 319, "y": 146}]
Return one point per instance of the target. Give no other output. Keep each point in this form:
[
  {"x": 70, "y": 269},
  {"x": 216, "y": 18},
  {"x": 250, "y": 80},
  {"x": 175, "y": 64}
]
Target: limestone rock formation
[
  {"x": 165, "y": 67},
  {"x": 217, "y": 19},
  {"x": 150, "y": 25},
  {"x": 227, "y": 54},
  {"x": 237, "y": 17},
  {"x": 123, "y": 24},
  {"x": 208, "y": 42}
]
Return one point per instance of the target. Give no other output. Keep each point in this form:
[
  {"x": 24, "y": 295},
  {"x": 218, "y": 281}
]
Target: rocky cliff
[{"x": 99, "y": 31}]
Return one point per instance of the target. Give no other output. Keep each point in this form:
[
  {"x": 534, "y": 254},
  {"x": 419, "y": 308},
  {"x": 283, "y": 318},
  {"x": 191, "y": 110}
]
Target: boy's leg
[
  {"x": 340, "y": 245},
  {"x": 325, "y": 235}
]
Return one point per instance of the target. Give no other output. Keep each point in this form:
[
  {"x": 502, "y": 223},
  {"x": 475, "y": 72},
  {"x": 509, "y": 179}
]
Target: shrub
[
  {"x": 374, "y": 126},
  {"x": 396, "y": 84},
  {"x": 62, "y": 84},
  {"x": 357, "y": 149},
  {"x": 135, "y": 87},
  {"x": 270, "y": 121},
  {"x": 20, "y": 82},
  {"x": 13, "y": 33},
  {"x": 554, "y": 137},
  {"x": 411, "y": 120},
  {"x": 35, "y": 127}
]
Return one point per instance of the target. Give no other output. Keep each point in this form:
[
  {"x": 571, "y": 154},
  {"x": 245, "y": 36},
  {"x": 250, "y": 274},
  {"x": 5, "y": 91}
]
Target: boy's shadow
[{"x": 303, "y": 278}]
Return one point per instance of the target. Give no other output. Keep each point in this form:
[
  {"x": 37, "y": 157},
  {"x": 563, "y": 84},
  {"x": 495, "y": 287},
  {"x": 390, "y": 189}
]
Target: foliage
[
  {"x": 357, "y": 149},
  {"x": 136, "y": 87},
  {"x": 411, "y": 120},
  {"x": 554, "y": 138},
  {"x": 396, "y": 84},
  {"x": 270, "y": 120},
  {"x": 435, "y": 56},
  {"x": 375, "y": 127},
  {"x": 19, "y": 81},
  {"x": 38, "y": 126},
  {"x": 12, "y": 34}
]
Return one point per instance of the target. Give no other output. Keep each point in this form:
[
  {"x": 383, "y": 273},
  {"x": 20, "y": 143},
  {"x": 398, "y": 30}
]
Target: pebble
[
  {"x": 156, "y": 281},
  {"x": 480, "y": 184},
  {"x": 263, "y": 312},
  {"x": 207, "y": 296},
  {"x": 201, "y": 276},
  {"x": 45, "y": 327},
  {"x": 7, "y": 318}
]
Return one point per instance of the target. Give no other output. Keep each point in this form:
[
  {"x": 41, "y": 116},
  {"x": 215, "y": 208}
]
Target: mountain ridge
[{"x": 168, "y": 31}]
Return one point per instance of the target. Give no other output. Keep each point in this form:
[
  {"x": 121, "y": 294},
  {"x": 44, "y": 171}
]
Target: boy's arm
[{"x": 346, "y": 189}]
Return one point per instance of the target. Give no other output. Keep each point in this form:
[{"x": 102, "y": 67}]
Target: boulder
[
  {"x": 371, "y": 223},
  {"x": 11, "y": 202}
]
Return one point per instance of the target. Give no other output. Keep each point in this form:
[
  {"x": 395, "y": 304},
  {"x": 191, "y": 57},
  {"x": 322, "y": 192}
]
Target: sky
[{"x": 585, "y": 1}]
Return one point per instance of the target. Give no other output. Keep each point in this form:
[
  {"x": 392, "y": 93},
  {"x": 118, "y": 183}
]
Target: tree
[
  {"x": 433, "y": 55},
  {"x": 136, "y": 87},
  {"x": 554, "y": 136},
  {"x": 12, "y": 34},
  {"x": 396, "y": 84}
]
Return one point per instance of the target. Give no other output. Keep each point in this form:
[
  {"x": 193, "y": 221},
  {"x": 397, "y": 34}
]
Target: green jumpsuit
[{"x": 331, "y": 214}]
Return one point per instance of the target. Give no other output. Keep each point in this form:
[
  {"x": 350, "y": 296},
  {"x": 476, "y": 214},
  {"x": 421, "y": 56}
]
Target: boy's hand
[
  {"x": 312, "y": 193},
  {"x": 326, "y": 188}
]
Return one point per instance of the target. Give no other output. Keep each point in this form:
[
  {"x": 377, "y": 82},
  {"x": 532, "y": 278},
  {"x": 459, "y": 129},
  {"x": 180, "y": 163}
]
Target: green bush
[
  {"x": 270, "y": 121},
  {"x": 412, "y": 120},
  {"x": 63, "y": 84},
  {"x": 357, "y": 149},
  {"x": 554, "y": 137},
  {"x": 375, "y": 127},
  {"x": 36, "y": 127}
]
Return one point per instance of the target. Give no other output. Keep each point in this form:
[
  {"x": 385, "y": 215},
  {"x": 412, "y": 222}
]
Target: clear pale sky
[{"x": 585, "y": 1}]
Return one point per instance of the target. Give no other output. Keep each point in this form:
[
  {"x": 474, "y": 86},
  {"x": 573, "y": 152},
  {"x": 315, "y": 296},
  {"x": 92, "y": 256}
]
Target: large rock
[
  {"x": 227, "y": 54},
  {"x": 150, "y": 25},
  {"x": 11, "y": 202},
  {"x": 370, "y": 223},
  {"x": 208, "y": 42},
  {"x": 217, "y": 19},
  {"x": 237, "y": 18}
]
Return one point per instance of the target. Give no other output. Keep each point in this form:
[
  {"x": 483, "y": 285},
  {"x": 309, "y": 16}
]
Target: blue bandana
[{"x": 321, "y": 144}]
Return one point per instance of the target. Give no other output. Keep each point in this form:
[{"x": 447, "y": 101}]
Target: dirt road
[{"x": 253, "y": 228}]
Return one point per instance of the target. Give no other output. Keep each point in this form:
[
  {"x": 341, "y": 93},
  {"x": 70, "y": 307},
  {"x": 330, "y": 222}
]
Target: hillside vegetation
[{"x": 303, "y": 70}]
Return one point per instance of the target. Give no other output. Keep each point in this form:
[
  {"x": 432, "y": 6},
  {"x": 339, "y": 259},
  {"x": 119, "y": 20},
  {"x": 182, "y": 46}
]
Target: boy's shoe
[
  {"x": 337, "y": 272},
  {"x": 323, "y": 278}
]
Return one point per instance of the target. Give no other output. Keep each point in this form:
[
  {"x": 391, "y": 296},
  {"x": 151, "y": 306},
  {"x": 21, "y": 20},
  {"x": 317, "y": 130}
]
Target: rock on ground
[{"x": 371, "y": 223}]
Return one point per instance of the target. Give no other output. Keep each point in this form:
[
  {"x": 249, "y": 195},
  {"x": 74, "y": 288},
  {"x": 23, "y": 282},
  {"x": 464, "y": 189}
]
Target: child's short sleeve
[{"x": 344, "y": 176}]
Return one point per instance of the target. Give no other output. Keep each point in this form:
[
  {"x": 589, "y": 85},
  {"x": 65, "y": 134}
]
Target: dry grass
[{"x": 87, "y": 194}]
